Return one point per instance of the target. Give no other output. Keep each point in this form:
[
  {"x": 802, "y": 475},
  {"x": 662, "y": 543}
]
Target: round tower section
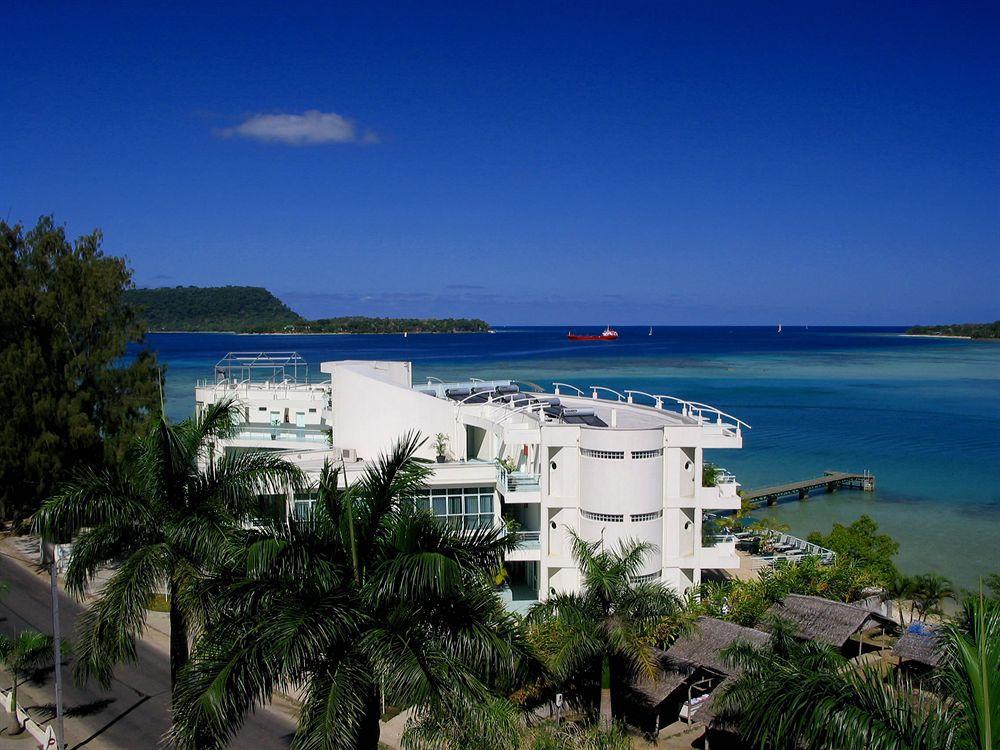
[{"x": 621, "y": 489}]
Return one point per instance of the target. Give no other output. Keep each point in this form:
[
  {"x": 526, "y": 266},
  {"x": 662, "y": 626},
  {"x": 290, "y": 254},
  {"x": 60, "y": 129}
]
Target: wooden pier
[{"x": 831, "y": 481}]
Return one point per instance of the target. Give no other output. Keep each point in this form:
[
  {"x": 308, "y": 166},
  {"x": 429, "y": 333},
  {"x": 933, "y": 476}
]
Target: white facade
[{"x": 603, "y": 464}]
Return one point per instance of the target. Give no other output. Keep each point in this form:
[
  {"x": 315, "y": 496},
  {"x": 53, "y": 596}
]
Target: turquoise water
[{"x": 923, "y": 415}]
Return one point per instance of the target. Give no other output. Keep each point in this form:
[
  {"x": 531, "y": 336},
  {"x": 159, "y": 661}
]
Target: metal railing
[
  {"x": 791, "y": 548},
  {"x": 528, "y": 539}
]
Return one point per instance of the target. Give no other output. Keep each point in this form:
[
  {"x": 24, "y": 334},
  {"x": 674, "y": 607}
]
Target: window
[
  {"x": 459, "y": 507},
  {"x": 605, "y": 517},
  {"x": 647, "y": 577},
  {"x": 610, "y": 455},
  {"x": 302, "y": 508},
  {"x": 637, "y": 517},
  {"x": 312, "y": 411},
  {"x": 647, "y": 454}
]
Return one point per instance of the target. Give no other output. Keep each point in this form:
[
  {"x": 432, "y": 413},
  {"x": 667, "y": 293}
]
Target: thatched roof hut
[
  {"x": 703, "y": 646},
  {"x": 654, "y": 691},
  {"x": 918, "y": 644},
  {"x": 698, "y": 650},
  {"x": 827, "y": 621}
]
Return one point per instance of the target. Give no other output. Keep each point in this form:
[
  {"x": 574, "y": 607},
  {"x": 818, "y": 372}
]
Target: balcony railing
[
  {"x": 517, "y": 481},
  {"x": 528, "y": 539},
  {"x": 284, "y": 432}
]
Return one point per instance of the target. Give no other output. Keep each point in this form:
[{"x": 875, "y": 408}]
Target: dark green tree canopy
[
  {"x": 862, "y": 543},
  {"x": 68, "y": 399}
]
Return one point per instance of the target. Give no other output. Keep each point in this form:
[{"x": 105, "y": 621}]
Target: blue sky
[{"x": 540, "y": 163}]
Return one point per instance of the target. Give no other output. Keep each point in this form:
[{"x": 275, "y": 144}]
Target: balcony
[
  {"x": 266, "y": 433},
  {"x": 529, "y": 546},
  {"x": 519, "y": 486},
  {"x": 719, "y": 553}
]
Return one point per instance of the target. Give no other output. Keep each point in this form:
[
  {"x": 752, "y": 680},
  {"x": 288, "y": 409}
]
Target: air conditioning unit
[{"x": 350, "y": 455}]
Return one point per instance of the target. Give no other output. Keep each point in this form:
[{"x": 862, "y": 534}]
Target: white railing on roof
[
  {"x": 596, "y": 388},
  {"x": 557, "y": 386}
]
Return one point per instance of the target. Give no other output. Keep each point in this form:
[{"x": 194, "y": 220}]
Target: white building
[{"x": 604, "y": 464}]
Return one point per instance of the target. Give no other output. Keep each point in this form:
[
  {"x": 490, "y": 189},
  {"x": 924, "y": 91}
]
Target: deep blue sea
[{"x": 922, "y": 414}]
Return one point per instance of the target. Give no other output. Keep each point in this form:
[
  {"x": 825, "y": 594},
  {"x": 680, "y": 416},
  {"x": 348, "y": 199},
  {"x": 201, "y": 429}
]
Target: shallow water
[{"x": 922, "y": 414}]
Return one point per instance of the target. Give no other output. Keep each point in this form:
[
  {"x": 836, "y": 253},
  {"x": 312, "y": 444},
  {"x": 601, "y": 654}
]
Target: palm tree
[
  {"x": 899, "y": 588},
  {"x": 790, "y": 694},
  {"x": 971, "y": 672},
  {"x": 607, "y": 628},
  {"x": 929, "y": 592},
  {"x": 369, "y": 597},
  {"x": 161, "y": 516},
  {"x": 21, "y": 654}
]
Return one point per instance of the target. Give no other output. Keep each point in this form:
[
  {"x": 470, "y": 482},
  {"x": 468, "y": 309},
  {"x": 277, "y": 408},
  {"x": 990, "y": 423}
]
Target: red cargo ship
[{"x": 610, "y": 334}]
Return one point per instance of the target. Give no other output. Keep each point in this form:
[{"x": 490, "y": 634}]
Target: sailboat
[
  {"x": 651, "y": 330},
  {"x": 779, "y": 327}
]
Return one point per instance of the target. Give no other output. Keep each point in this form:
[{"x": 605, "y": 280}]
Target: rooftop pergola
[{"x": 276, "y": 367}]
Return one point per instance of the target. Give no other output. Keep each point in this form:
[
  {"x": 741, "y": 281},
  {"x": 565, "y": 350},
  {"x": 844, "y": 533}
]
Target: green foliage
[
  {"x": 577, "y": 737},
  {"x": 791, "y": 695},
  {"x": 252, "y": 309},
  {"x": 217, "y": 308},
  {"x": 769, "y": 526},
  {"x": 861, "y": 542},
  {"x": 164, "y": 515},
  {"x": 745, "y": 602},
  {"x": 972, "y": 330},
  {"x": 68, "y": 399},
  {"x": 609, "y": 626},
  {"x": 23, "y": 653},
  {"x": 971, "y": 674},
  {"x": 710, "y": 474},
  {"x": 368, "y": 597},
  {"x": 440, "y": 444},
  {"x": 360, "y": 324}
]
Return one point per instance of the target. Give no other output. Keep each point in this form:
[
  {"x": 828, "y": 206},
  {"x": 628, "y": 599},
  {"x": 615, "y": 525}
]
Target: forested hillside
[
  {"x": 218, "y": 308},
  {"x": 252, "y": 309}
]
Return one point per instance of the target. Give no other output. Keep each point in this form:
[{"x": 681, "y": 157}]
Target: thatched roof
[
  {"x": 825, "y": 620},
  {"x": 699, "y": 649},
  {"x": 710, "y": 636},
  {"x": 669, "y": 678},
  {"x": 919, "y": 645}
]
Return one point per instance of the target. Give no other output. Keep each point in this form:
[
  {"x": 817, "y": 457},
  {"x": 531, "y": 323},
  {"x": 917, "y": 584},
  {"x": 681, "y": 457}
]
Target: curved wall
[{"x": 621, "y": 477}]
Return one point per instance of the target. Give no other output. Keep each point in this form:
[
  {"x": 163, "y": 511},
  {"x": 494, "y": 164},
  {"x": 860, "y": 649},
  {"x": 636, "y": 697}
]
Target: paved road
[{"x": 134, "y": 714}]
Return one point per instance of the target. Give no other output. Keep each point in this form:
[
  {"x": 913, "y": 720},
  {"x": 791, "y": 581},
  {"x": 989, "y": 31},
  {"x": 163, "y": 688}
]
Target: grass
[{"x": 159, "y": 603}]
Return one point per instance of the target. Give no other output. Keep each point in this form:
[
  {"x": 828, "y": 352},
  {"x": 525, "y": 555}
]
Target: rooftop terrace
[{"x": 595, "y": 406}]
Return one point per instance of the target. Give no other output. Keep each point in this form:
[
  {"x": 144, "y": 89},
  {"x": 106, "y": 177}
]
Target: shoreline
[{"x": 939, "y": 336}]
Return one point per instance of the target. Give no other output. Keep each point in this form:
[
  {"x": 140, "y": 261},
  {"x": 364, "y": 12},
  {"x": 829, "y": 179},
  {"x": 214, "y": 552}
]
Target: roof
[
  {"x": 699, "y": 649},
  {"x": 918, "y": 644},
  {"x": 710, "y": 636},
  {"x": 825, "y": 620},
  {"x": 657, "y": 689}
]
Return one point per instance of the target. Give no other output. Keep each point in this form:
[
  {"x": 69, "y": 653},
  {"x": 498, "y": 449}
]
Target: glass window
[{"x": 460, "y": 507}]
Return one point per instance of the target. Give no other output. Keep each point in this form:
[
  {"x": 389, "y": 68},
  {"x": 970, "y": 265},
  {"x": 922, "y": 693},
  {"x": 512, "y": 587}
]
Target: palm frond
[{"x": 108, "y": 629}]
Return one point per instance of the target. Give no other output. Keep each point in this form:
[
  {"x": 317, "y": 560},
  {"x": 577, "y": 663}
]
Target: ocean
[{"x": 921, "y": 414}]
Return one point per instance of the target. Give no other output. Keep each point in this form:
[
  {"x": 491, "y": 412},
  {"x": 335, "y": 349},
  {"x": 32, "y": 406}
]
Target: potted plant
[{"x": 441, "y": 446}]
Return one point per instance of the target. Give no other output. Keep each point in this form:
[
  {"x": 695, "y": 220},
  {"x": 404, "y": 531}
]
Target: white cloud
[{"x": 312, "y": 127}]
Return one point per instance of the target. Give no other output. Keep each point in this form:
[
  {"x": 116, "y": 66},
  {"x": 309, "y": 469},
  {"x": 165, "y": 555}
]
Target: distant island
[
  {"x": 965, "y": 330},
  {"x": 253, "y": 309}
]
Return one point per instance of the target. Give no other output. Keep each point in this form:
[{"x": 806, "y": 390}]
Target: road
[{"x": 134, "y": 713}]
